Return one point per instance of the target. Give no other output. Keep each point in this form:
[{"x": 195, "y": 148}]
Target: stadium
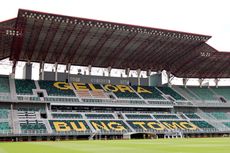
[{"x": 67, "y": 106}]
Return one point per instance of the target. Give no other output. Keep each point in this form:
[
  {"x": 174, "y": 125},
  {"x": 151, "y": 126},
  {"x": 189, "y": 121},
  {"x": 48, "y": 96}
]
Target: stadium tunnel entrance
[{"x": 143, "y": 136}]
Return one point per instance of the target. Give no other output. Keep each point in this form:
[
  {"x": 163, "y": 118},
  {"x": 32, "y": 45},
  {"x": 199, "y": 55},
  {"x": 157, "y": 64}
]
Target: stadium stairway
[{"x": 215, "y": 123}]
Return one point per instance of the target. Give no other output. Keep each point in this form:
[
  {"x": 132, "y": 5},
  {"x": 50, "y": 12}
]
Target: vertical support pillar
[
  {"x": 27, "y": 71},
  {"x": 90, "y": 69},
  {"x": 109, "y": 70},
  {"x": 185, "y": 80},
  {"x": 170, "y": 78},
  {"x": 200, "y": 82},
  {"x": 148, "y": 75},
  {"x": 216, "y": 82},
  {"x": 41, "y": 71},
  {"x": 55, "y": 71},
  {"x": 138, "y": 77},
  {"x": 68, "y": 66},
  {"x": 12, "y": 75}
]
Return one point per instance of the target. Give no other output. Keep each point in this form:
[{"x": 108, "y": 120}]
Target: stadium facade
[{"x": 67, "y": 106}]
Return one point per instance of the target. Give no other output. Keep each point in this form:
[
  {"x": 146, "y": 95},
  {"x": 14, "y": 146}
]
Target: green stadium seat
[
  {"x": 220, "y": 115},
  {"x": 33, "y": 127},
  {"x": 24, "y": 87},
  {"x": 4, "y": 113},
  {"x": 138, "y": 116},
  {"x": 204, "y": 93},
  {"x": 172, "y": 93},
  {"x": 4, "y": 84},
  {"x": 5, "y": 127},
  {"x": 227, "y": 124},
  {"x": 99, "y": 116},
  {"x": 165, "y": 116},
  {"x": 222, "y": 91},
  {"x": 68, "y": 126},
  {"x": 66, "y": 116},
  {"x": 53, "y": 91},
  {"x": 155, "y": 95},
  {"x": 203, "y": 124},
  {"x": 192, "y": 116}
]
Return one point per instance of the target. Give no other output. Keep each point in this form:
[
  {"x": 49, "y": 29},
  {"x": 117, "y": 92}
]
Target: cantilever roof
[{"x": 56, "y": 38}]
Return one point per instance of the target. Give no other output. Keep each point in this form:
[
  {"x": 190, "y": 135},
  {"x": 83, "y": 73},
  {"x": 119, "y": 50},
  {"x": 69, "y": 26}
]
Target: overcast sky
[{"x": 210, "y": 17}]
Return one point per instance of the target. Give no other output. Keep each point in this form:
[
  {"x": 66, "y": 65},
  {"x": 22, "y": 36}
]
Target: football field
[{"x": 192, "y": 145}]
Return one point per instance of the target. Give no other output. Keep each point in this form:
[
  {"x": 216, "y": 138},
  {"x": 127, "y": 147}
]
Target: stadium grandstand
[{"x": 66, "y": 105}]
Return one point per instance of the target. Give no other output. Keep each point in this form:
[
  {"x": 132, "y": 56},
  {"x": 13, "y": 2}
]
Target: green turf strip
[{"x": 192, "y": 145}]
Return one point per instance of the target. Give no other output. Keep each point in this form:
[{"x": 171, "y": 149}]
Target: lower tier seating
[
  {"x": 143, "y": 125},
  {"x": 109, "y": 125},
  {"x": 33, "y": 127},
  {"x": 69, "y": 126},
  {"x": 4, "y": 127},
  {"x": 227, "y": 124},
  {"x": 4, "y": 113},
  {"x": 203, "y": 124}
]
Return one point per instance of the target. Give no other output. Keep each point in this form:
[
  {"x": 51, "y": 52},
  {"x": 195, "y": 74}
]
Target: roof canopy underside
[{"x": 53, "y": 38}]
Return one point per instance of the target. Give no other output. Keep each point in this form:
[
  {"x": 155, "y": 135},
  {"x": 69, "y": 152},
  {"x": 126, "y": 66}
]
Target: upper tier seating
[
  {"x": 138, "y": 116},
  {"x": 24, "y": 87},
  {"x": 126, "y": 95},
  {"x": 220, "y": 115},
  {"x": 172, "y": 93},
  {"x": 34, "y": 126},
  {"x": 4, "y": 84},
  {"x": 99, "y": 116},
  {"x": 166, "y": 116},
  {"x": 155, "y": 94},
  {"x": 53, "y": 91},
  {"x": 223, "y": 91},
  {"x": 192, "y": 116},
  {"x": 67, "y": 115},
  {"x": 203, "y": 124},
  {"x": 4, "y": 127},
  {"x": 203, "y": 93}
]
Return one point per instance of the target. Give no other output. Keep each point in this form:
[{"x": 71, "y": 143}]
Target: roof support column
[
  {"x": 200, "y": 81},
  {"x": 217, "y": 82},
  {"x": 170, "y": 78},
  {"x": 55, "y": 71},
  {"x": 12, "y": 75},
  {"x": 185, "y": 80},
  {"x": 67, "y": 70},
  {"x": 138, "y": 77},
  {"x": 90, "y": 69},
  {"x": 148, "y": 73},
  {"x": 41, "y": 71},
  {"x": 109, "y": 70},
  {"x": 127, "y": 71}
]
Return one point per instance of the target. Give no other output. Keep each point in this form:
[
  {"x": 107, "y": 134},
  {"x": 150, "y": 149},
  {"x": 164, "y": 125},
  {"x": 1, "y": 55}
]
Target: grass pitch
[{"x": 192, "y": 145}]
